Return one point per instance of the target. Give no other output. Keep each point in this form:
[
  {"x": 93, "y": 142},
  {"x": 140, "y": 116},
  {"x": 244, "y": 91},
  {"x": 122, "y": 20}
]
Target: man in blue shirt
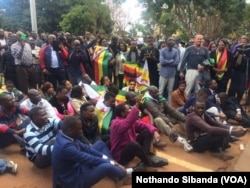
[{"x": 169, "y": 60}]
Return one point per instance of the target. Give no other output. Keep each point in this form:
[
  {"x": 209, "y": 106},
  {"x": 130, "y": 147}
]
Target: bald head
[
  {"x": 33, "y": 92},
  {"x": 72, "y": 127},
  {"x": 152, "y": 88},
  {"x": 34, "y": 96},
  {"x": 153, "y": 92}
]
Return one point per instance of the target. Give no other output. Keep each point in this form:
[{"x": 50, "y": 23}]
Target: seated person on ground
[
  {"x": 165, "y": 116},
  {"x": 204, "y": 133},
  {"x": 12, "y": 90},
  {"x": 131, "y": 86},
  {"x": 91, "y": 133},
  {"x": 105, "y": 112},
  {"x": 77, "y": 98},
  {"x": 68, "y": 85},
  {"x": 212, "y": 107},
  {"x": 47, "y": 90},
  {"x": 233, "y": 110},
  {"x": 40, "y": 136},
  {"x": 144, "y": 114},
  {"x": 35, "y": 99},
  {"x": 130, "y": 137},
  {"x": 11, "y": 125},
  {"x": 179, "y": 97},
  {"x": 61, "y": 104},
  {"x": 105, "y": 81},
  {"x": 75, "y": 164}
]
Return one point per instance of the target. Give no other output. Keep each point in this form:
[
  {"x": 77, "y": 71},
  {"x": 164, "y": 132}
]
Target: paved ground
[{"x": 30, "y": 177}]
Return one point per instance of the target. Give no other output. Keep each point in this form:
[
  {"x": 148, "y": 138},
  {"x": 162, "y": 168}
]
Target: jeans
[{"x": 3, "y": 165}]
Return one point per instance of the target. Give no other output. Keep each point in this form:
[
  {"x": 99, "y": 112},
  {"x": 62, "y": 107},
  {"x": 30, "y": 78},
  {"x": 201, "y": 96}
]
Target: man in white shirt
[{"x": 34, "y": 99}]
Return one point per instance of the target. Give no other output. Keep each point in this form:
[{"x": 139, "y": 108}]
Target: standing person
[
  {"x": 204, "y": 133},
  {"x": 3, "y": 43},
  {"x": 120, "y": 61},
  {"x": 40, "y": 136},
  {"x": 77, "y": 63},
  {"x": 150, "y": 55},
  {"x": 133, "y": 52},
  {"x": 222, "y": 68},
  {"x": 239, "y": 78},
  {"x": 25, "y": 71},
  {"x": 7, "y": 65},
  {"x": 76, "y": 164},
  {"x": 35, "y": 53},
  {"x": 51, "y": 58},
  {"x": 193, "y": 57},
  {"x": 169, "y": 60}
]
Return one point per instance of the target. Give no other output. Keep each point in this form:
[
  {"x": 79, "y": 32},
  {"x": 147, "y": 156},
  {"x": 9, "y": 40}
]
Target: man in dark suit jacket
[
  {"x": 76, "y": 164},
  {"x": 204, "y": 133},
  {"x": 233, "y": 110}
]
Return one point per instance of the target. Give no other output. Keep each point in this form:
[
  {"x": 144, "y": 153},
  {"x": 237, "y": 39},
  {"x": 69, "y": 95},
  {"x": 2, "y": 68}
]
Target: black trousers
[
  {"x": 139, "y": 148},
  {"x": 210, "y": 142}
]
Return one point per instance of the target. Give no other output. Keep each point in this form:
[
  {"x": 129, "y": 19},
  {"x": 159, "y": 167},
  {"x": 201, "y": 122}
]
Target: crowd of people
[{"x": 50, "y": 106}]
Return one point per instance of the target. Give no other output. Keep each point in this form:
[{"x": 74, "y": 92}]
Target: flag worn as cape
[{"x": 100, "y": 60}]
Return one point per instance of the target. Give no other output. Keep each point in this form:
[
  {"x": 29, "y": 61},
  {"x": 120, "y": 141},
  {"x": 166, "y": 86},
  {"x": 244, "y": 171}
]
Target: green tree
[
  {"x": 17, "y": 14},
  {"x": 91, "y": 16},
  {"x": 210, "y": 17}
]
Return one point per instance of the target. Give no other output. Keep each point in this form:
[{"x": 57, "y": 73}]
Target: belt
[{"x": 55, "y": 68}]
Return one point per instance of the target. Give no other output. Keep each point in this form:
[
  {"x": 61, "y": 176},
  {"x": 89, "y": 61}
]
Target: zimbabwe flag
[
  {"x": 130, "y": 69},
  {"x": 100, "y": 60}
]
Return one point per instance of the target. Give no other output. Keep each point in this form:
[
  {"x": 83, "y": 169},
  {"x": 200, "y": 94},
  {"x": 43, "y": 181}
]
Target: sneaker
[
  {"x": 186, "y": 146},
  {"x": 160, "y": 144},
  {"x": 11, "y": 167},
  {"x": 221, "y": 155}
]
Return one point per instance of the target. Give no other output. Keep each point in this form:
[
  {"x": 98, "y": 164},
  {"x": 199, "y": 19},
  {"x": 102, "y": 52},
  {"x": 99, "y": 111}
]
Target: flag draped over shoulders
[{"x": 101, "y": 58}]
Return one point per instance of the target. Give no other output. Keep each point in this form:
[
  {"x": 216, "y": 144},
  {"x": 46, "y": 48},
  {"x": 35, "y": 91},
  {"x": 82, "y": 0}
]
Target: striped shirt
[
  {"x": 23, "y": 56},
  {"x": 37, "y": 138}
]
